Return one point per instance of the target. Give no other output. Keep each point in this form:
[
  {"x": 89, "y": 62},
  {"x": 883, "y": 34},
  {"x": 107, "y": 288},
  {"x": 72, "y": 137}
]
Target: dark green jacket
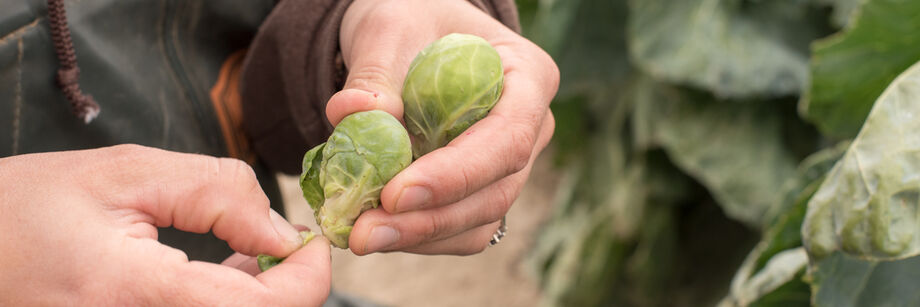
[{"x": 149, "y": 64}]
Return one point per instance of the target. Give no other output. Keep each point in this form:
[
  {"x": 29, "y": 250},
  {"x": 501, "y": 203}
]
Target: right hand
[{"x": 79, "y": 228}]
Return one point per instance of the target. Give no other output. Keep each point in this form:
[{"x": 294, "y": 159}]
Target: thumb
[
  {"x": 377, "y": 60},
  {"x": 374, "y": 82},
  {"x": 358, "y": 99}
]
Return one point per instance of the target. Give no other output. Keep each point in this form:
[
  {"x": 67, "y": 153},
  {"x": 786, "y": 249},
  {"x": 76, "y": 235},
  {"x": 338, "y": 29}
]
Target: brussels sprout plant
[
  {"x": 451, "y": 84},
  {"x": 344, "y": 176}
]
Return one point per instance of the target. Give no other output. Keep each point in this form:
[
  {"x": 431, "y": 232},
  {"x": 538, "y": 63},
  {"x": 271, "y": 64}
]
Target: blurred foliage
[
  {"x": 852, "y": 68},
  {"x": 688, "y": 154}
]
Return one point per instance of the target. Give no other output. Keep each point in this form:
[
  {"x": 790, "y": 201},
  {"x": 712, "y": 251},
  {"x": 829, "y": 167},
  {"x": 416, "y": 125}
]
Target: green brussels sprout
[
  {"x": 451, "y": 84},
  {"x": 344, "y": 176},
  {"x": 267, "y": 262}
]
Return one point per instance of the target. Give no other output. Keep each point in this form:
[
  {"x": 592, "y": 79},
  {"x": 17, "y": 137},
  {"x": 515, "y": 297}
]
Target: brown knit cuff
[{"x": 294, "y": 65}]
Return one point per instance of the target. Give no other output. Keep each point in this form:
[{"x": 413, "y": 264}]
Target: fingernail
[
  {"x": 287, "y": 232},
  {"x": 381, "y": 237},
  {"x": 412, "y": 198}
]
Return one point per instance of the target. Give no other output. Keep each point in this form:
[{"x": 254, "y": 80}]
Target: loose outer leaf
[{"x": 868, "y": 205}]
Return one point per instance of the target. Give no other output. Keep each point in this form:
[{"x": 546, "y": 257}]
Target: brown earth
[{"x": 495, "y": 277}]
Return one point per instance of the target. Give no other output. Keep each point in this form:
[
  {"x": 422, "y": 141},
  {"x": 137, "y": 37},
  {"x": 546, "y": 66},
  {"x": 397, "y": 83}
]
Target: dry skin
[{"x": 492, "y": 278}]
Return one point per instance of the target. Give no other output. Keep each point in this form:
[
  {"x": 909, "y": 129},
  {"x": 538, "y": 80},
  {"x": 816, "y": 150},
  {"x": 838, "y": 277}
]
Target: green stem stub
[{"x": 267, "y": 262}]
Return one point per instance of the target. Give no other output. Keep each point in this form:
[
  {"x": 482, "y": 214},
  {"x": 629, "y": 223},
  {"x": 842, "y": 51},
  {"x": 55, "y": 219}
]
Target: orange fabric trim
[{"x": 225, "y": 95}]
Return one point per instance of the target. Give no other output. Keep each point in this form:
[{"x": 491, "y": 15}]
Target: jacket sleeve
[{"x": 293, "y": 66}]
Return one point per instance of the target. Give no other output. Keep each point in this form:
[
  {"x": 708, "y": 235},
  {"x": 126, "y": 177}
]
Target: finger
[
  {"x": 377, "y": 230},
  {"x": 250, "y": 266},
  {"x": 353, "y": 100},
  {"x": 193, "y": 193},
  {"x": 491, "y": 149},
  {"x": 304, "y": 277},
  {"x": 470, "y": 242},
  {"x": 244, "y": 263},
  {"x": 235, "y": 260}
]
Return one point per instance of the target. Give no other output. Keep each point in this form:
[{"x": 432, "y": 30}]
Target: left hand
[{"x": 451, "y": 200}]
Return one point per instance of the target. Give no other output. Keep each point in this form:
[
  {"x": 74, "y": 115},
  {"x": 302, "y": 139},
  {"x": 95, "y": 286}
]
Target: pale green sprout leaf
[
  {"x": 868, "y": 205},
  {"x": 309, "y": 177},
  {"x": 266, "y": 262},
  {"x": 451, "y": 84},
  {"x": 363, "y": 153}
]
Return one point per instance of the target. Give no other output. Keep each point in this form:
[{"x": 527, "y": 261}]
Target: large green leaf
[
  {"x": 732, "y": 48},
  {"x": 843, "y": 281},
  {"x": 587, "y": 40},
  {"x": 809, "y": 175},
  {"x": 735, "y": 150},
  {"x": 771, "y": 274},
  {"x": 592, "y": 53},
  {"x": 868, "y": 205},
  {"x": 849, "y": 70}
]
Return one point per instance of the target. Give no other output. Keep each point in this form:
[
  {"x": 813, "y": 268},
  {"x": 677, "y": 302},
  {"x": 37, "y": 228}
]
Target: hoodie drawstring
[{"x": 68, "y": 74}]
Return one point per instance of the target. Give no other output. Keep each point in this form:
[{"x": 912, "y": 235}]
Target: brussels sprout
[
  {"x": 451, "y": 84},
  {"x": 343, "y": 177},
  {"x": 267, "y": 262}
]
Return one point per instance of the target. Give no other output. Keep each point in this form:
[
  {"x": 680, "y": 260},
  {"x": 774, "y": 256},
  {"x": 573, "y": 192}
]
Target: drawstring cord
[{"x": 68, "y": 74}]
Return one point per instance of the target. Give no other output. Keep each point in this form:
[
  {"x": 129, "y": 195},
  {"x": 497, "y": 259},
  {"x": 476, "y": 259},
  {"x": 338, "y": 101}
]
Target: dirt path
[{"x": 492, "y": 278}]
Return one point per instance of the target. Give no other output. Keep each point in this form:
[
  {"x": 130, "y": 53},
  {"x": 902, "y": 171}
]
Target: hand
[
  {"x": 449, "y": 201},
  {"x": 79, "y": 228}
]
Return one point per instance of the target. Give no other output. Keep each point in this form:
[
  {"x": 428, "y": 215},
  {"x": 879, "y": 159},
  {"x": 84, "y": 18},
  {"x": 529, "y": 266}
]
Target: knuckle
[
  {"x": 127, "y": 152},
  {"x": 128, "y": 156},
  {"x": 386, "y": 13},
  {"x": 507, "y": 196},
  {"x": 127, "y": 149},
  {"x": 433, "y": 229},
  {"x": 546, "y": 66},
  {"x": 479, "y": 248},
  {"x": 552, "y": 75},
  {"x": 236, "y": 171},
  {"x": 236, "y": 175},
  {"x": 369, "y": 76},
  {"x": 521, "y": 146}
]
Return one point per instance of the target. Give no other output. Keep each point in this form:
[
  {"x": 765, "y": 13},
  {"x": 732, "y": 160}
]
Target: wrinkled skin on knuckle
[
  {"x": 520, "y": 150},
  {"x": 451, "y": 84},
  {"x": 235, "y": 174},
  {"x": 434, "y": 228},
  {"x": 369, "y": 76},
  {"x": 507, "y": 194}
]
